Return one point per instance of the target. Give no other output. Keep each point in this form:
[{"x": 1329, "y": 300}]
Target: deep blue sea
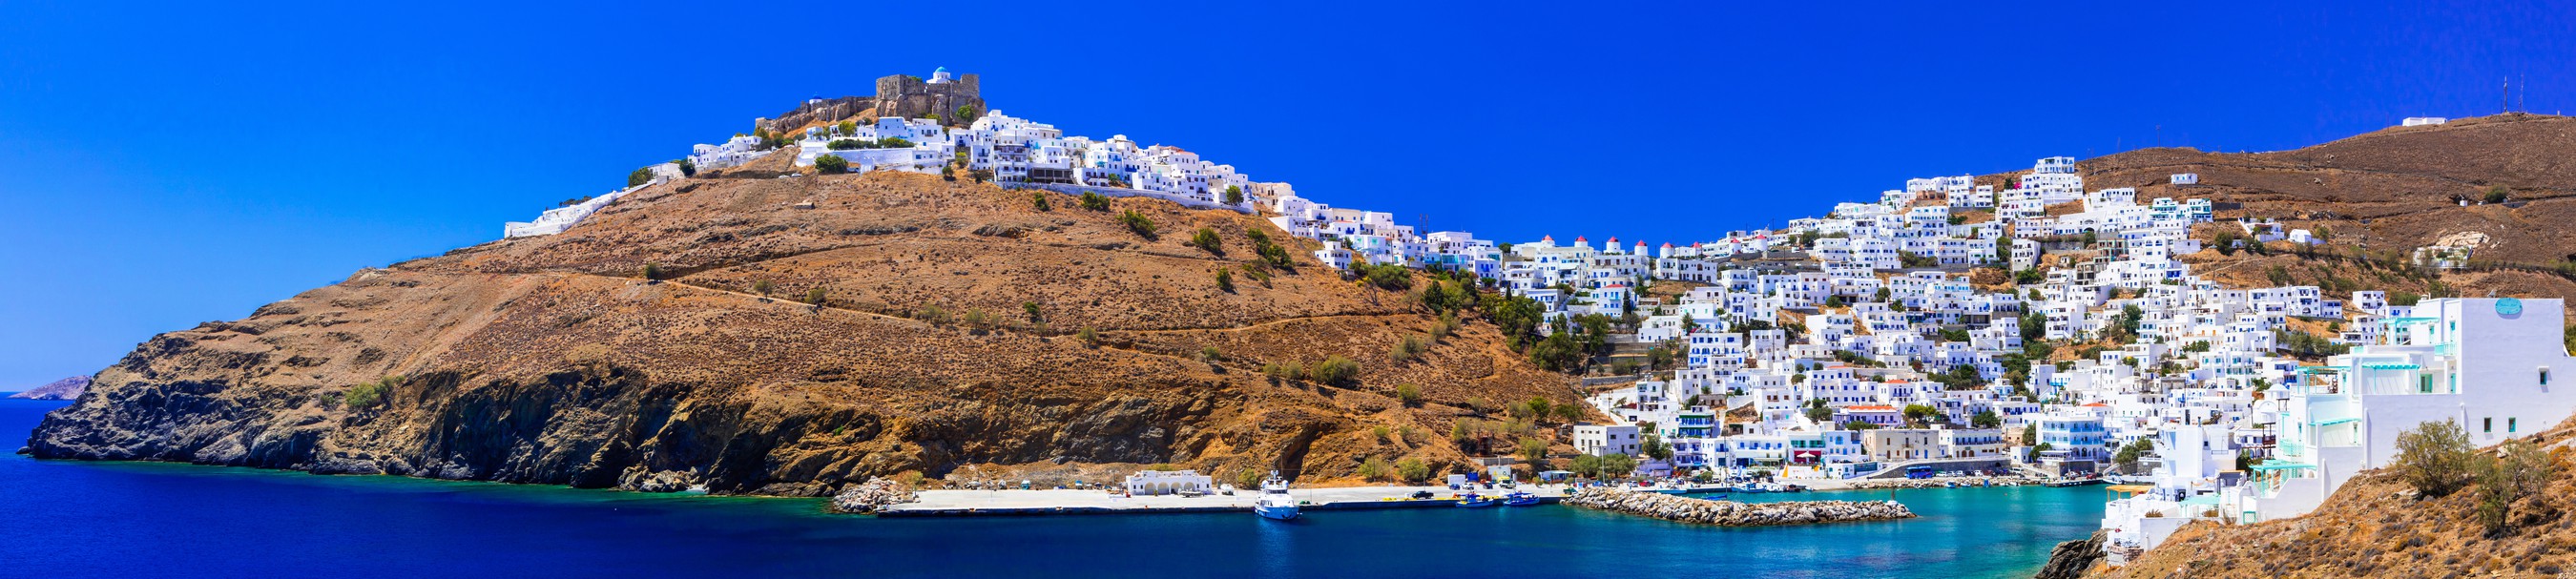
[{"x": 77, "y": 519}]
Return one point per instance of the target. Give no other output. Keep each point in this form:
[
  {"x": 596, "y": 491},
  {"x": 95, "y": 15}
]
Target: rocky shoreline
[
  {"x": 869, "y": 496},
  {"x": 1735, "y": 514}
]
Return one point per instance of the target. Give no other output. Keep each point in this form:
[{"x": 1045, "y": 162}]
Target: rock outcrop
[
  {"x": 2072, "y": 558},
  {"x": 64, "y": 389},
  {"x": 869, "y": 496},
  {"x": 1735, "y": 514}
]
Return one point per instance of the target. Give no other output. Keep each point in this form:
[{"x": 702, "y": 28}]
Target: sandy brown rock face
[{"x": 552, "y": 360}]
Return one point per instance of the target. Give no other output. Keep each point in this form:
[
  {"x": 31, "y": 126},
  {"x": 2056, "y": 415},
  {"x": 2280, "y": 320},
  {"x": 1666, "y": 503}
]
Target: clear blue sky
[{"x": 164, "y": 165}]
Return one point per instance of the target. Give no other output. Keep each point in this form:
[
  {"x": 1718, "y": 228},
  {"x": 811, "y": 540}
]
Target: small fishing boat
[
  {"x": 1274, "y": 502},
  {"x": 1519, "y": 500},
  {"x": 1475, "y": 501}
]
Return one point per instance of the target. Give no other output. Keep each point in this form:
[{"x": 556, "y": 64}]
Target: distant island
[{"x": 64, "y": 389}]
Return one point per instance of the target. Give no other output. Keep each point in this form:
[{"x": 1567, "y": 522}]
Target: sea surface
[{"x": 84, "y": 519}]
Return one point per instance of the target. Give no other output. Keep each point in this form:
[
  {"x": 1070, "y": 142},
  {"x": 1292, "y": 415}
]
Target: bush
[
  {"x": 831, "y": 165},
  {"x": 1408, "y": 348},
  {"x": 1410, "y": 394},
  {"x": 639, "y": 177},
  {"x": 1038, "y": 200},
  {"x": 1225, "y": 279},
  {"x": 1210, "y": 355},
  {"x": 2434, "y": 458},
  {"x": 652, "y": 270},
  {"x": 688, "y": 168},
  {"x": 760, "y": 287},
  {"x": 1032, "y": 309},
  {"x": 1336, "y": 370},
  {"x": 1533, "y": 451},
  {"x": 1088, "y": 337},
  {"x": 1413, "y": 470},
  {"x": 1375, "y": 468},
  {"x": 2496, "y": 194},
  {"x": 1205, "y": 239},
  {"x": 1389, "y": 276},
  {"x": 368, "y": 394},
  {"x": 1233, "y": 195},
  {"x": 1095, "y": 201},
  {"x": 814, "y": 296},
  {"x": 1137, "y": 222},
  {"x": 848, "y": 144},
  {"x": 2521, "y": 469}
]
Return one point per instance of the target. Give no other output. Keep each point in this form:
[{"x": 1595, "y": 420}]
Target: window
[
  {"x": 2509, "y": 425},
  {"x": 2489, "y": 425},
  {"x": 2544, "y": 376}
]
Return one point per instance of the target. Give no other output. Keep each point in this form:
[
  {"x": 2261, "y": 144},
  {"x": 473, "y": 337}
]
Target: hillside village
[{"x": 2032, "y": 325}]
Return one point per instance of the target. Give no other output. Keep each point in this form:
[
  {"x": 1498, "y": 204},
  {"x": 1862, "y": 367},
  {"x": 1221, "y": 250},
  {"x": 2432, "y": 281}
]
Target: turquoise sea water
[{"x": 76, "y": 519}]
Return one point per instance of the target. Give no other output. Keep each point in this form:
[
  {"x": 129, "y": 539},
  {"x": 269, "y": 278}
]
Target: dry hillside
[
  {"x": 554, "y": 360},
  {"x": 2375, "y": 527}
]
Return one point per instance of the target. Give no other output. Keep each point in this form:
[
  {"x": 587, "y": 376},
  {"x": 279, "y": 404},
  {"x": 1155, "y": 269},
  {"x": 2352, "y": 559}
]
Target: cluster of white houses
[{"x": 1855, "y": 344}]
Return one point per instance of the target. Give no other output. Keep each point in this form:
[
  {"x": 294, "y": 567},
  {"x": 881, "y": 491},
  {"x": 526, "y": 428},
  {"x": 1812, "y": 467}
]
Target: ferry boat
[
  {"x": 1475, "y": 501},
  {"x": 1274, "y": 502},
  {"x": 1520, "y": 499}
]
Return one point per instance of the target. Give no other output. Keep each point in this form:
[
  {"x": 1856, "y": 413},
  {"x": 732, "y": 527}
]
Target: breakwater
[{"x": 1735, "y": 514}]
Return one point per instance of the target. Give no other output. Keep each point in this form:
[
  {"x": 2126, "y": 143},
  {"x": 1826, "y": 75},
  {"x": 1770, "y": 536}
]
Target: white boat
[{"x": 1274, "y": 502}]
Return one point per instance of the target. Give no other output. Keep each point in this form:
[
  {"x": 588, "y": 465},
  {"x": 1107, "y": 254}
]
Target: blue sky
[{"x": 165, "y": 165}]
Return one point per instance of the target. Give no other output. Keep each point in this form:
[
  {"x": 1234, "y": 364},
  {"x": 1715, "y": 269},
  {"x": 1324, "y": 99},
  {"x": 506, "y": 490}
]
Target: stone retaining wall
[{"x": 1735, "y": 514}]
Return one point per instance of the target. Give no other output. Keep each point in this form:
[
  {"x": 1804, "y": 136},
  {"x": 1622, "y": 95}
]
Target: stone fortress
[{"x": 899, "y": 96}]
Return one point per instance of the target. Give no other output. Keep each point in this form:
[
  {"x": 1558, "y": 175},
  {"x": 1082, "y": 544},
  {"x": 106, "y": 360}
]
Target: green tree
[
  {"x": 1233, "y": 195},
  {"x": 652, "y": 270},
  {"x": 761, "y": 287},
  {"x": 967, "y": 114},
  {"x": 1986, "y": 419},
  {"x": 1534, "y": 452},
  {"x": 1919, "y": 415},
  {"x": 1039, "y": 200},
  {"x": 639, "y": 177},
  {"x": 688, "y": 168},
  {"x": 1587, "y": 466},
  {"x": 1375, "y": 468},
  {"x": 1225, "y": 279},
  {"x": 814, "y": 296},
  {"x": 1413, "y": 470},
  {"x": 1654, "y": 447},
  {"x": 368, "y": 394},
  {"x": 1858, "y": 424},
  {"x": 1618, "y": 465},
  {"x": 1569, "y": 413},
  {"x": 2496, "y": 194},
  {"x": 831, "y": 165},
  {"x": 1818, "y": 412},
  {"x": 1095, "y": 201},
  {"x": 2128, "y": 455},
  {"x": 2519, "y": 469},
  {"x": 2434, "y": 458}
]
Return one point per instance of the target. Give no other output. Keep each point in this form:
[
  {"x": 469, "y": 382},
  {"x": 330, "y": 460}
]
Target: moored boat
[
  {"x": 1473, "y": 500},
  {"x": 1274, "y": 502},
  {"x": 1519, "y": 499}
]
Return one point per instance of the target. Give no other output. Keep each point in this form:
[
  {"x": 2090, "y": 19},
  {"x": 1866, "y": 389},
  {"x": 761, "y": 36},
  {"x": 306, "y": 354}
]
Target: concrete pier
[{"x": 967, "y": 503}]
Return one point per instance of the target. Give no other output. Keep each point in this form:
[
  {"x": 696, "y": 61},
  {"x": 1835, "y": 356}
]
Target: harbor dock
[{"x": 968, "y": 503}]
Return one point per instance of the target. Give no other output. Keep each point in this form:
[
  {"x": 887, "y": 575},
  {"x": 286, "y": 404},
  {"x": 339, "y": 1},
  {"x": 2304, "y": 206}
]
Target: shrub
[
  {"x": 760, "y": 287},
  {"x": 831, "y": 165},
  {"x": 688, "y": 168},
  {"x": 2520, "y": 469},
  {"x": 975, "y": 317},
  {"x": 652, "y": 270},
  {"x": 1410, "y": 394},
  {"x": 1533, "y": 451},
  {"x": 1137, "y": 222},
  {"x": 2495, "y": 194},
  {"x": 1032, "y": 309},
  {"x": 814, "y": 296},
  {"x": 1413, "y": 470},
  {"x": 1225, "y": 279},
  {"x": 639, "y": 177},
  {"x": 1389, "y": 276},
  {"x": 1209, "y": 354},
  {"x": 368, "y": 394},
  {"x": 1406, "y": 349},
  {"x": 1088, "y": 337},
  {"x": 848, "y": 144},
  {"x": 1233, "y": 195},
  {"x": 1205, "y": 239},
  {"x": 1095, "y": 201},
  {"x": 1038, "y": 200},
  {"x": 1375, "y": 468},
  {"x": 967, "y": 113},
  {"x": 2434, "y": 458},
  {"x": 1336, "y": 370}
]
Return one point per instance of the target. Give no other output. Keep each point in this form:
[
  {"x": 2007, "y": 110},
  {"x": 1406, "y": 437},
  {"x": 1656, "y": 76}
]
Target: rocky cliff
[
  {"x": 64, "y": 389},
  {"x": 667, "y": 342}
]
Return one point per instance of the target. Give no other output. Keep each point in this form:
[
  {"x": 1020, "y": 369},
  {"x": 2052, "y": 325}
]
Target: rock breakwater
[
  {"x": 1735, "y": 514},
  {"x": 869, "y": 496}
]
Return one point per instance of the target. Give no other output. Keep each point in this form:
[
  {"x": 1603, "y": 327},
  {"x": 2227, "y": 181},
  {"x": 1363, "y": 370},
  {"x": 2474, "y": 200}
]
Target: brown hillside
[
  {"x": 551, "y": 359},
  {"x": 2392, "y": 189}
]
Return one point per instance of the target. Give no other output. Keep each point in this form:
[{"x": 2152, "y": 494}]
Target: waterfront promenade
[{"x": 942, "y": 503}]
